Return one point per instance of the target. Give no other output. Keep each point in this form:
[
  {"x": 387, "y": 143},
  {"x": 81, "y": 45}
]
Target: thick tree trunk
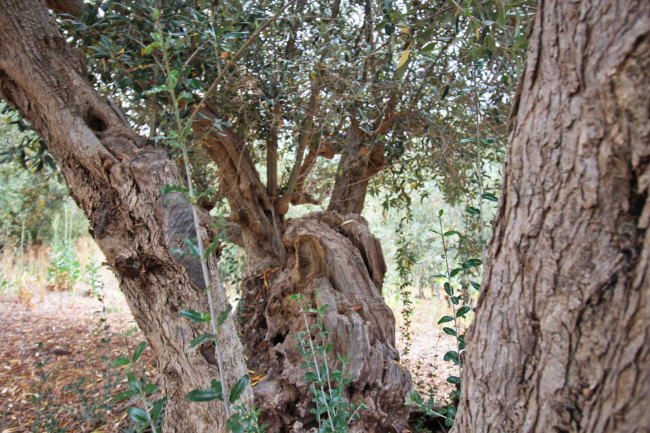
[
  {"x": 117, "y": 183},
  {"x": 560, "y": 341},
  {"x": 337, "y": 257},
  {"x": 325, "y": 252}
]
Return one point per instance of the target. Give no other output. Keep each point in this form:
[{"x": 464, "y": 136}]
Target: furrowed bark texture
[
  {"x": 361, "y": 160},
  {"x": 250, "y": 206},
  {"x": 560, "y": 341},
  {"x": 117, "y": 183},
  {"x": 338, "y": 257},
  {"x": 326, "y": 252}
]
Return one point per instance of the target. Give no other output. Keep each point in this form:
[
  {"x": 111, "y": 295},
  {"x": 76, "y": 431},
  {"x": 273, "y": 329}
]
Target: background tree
[
  {"x": 30, "y": 189},
  {"x": 560, "y": 341}
]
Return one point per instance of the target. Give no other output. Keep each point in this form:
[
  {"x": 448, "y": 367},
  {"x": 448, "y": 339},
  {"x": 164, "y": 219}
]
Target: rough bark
[
  {"x": 117, "y": 183},
  {"x": 362, "y": 158},
  {"x": 250, "y": 205},
  {"x": 276, "y": 261},
  {"x": 560, "y": 341},
  {"x": 338, "y": 257},
  {"x": 71, "y": 7},
  {"x": 351, "y": 182}
]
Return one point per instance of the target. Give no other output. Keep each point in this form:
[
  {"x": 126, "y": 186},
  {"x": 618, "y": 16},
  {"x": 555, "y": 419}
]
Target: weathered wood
[
  {"x": 117, "y": 183},
  {"x": 337, "y": 257},
  {"x": 560, "y": 341}
]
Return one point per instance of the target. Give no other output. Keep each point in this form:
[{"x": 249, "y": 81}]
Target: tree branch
[
  {"x": 250, "y": 205},
  {"x": 233, "y": 60},
  {"x": 306, "y": 136},
  {"x": 70, "y": 7},
  {"x": 272, "y": 156}
]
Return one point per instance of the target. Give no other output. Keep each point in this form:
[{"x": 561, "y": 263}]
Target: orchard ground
[{"x": 56, "y": 350}]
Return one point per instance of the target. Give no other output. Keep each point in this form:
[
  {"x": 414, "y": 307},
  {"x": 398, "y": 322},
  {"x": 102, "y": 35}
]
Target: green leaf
[
  {"x": 200, "y": 395},
  {"x": 195, "y": 316},
  {"x": 462, "y": 311},
  {"x": 476, "y": 285},
  {"x": 448, "y": 289},
  {"x": 158, "y": 408},
  {"x": 215, "y": 384},
  {"x": 223, "y": 316},
  {"x": 473, "y": 211},
  {"x": 124, "y": 395},
  {"x": 449, "y": 331},
  {"x": 150, "y": 388},
  {"x": 310, "y": 376},
  {"x": 454, "y": 300},
  {"x": 238, "y": 389},
  {"x": 121, "y": 361},
  {"x": 152, "y": 46},
  {"x": 213, "y": 246},
  {"x": 201, "y": 339},
  {"x": 186, "y": 96},
  {"x": 471, "y": 263},
  {"x": 439, "y": 276},
  {"x": 234, "y": 425},
  {"x": 489, "y": 196},
  {"x": 173, "y": 188},
  {"x": 321, "y": 310},
  {"x": 445, "y": 319},
  {"x": 138, "y": 415},
  {"x": 134, "y": 383},
  {"x": 453, "y": 379},
  {"x": 155, "y": 89},
  {"x": 138, "y": 351},
  {"x": 451, "y": 233},
  {"x": 196, "y": 84},
  {"x": 452, "y": 355},
  {"x": 455, "y": 272},
  {"x": 451, "y": 411},
  {"x": 194, "y": 249},
  {"x": 428, "y": 48}
]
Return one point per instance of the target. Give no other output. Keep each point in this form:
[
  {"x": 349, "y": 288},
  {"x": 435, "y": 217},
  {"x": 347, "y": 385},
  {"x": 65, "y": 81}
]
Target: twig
[{"x": 234, "y": 59}]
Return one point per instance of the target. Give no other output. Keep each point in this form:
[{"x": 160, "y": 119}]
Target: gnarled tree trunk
[
  {"x": 327, "y": 252},
  {"x": 117, "y": 183},
  {"x": 336, "y": 257},
  {"x": 560, "y": 341}
]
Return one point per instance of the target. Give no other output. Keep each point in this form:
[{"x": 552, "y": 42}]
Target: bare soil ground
[
  {"x": 55, "y": 363},
  {"x": 55, "y": 360}
]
